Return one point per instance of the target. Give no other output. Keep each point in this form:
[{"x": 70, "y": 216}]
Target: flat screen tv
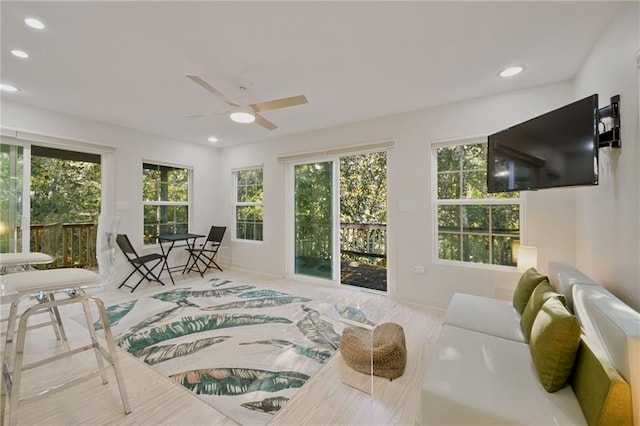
[{"x": 556, "y": 149}]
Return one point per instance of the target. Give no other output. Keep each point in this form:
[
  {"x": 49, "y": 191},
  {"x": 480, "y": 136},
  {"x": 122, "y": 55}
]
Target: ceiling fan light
[
  {"x": 8, "y": 88},
  {"x": 20, "y": 53},
  {"x": 34, "y": 23},
  {"x": 511, "y": 71},
  {"x": 242, "y": 117}
]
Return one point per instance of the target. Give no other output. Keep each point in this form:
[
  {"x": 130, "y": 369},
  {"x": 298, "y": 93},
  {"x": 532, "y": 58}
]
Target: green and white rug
[{"x": 242, "y": 349}]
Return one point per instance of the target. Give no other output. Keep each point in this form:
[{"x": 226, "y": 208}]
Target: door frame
[{"x": 290, "y": 214}]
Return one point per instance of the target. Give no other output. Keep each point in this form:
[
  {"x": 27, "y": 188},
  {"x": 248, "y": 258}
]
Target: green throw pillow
[
  {"x": 554, "y": 342},
  {"x": 603, "y": 394},
  {"x": 541, "y": 293},
  {"x": 528, "y": 281}
]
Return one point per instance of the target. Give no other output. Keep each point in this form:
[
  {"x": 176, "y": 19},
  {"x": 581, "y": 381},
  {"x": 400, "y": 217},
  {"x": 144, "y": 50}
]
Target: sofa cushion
[
  {"x": 528, "y": 281},
  {"x": 563, "y": 276},
  {"x": 474, "y": 378},
  {"x": 485, "y": 315},
  {"x": 555, "y": 337},
  {"x": 603, "y": 394},
  {"x": 615, "y": 332},
  {"x": 540, "y": 294}
]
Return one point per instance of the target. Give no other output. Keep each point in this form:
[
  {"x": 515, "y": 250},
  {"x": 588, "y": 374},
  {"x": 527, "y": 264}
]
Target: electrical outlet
[{"x": 418, "y": 269}]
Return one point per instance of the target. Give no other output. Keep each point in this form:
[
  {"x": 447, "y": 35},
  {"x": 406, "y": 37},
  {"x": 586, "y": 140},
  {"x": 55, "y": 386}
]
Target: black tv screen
[{"x": 559, "y": 148}]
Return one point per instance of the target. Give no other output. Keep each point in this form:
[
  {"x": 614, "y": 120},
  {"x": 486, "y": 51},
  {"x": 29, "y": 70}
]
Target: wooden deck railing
[
  {"x": 70, "y": 244},
  {"x": 356, "y": 239},
  {"x": 364, "y": 239},
  {"x": 73, "y": 244}
]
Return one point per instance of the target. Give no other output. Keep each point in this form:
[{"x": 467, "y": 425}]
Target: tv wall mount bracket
[{"x": 609, "y": 121}]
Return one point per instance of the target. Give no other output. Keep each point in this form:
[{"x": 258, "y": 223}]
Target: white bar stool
[
  {"x": 24, "y": 259},
  {"x": 53, "y": 281},
  {"x": 24, "y": 262}
]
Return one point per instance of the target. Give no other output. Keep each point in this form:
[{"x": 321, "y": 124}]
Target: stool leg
[
  {"x": 5, "y": 385},
  {"x": 3, "y": 397},
  {"x": 58, "y": 324},
  {"x": 43, "y": 297},
  {"x": 94, "y": 340},
  {"x": 5, "y": 381},
  {"x": 54, "y": 322},
  {"x": 114, "y": 355},
  {"x": 14, "y": 400},
  {"x": 11, "y": 330}
]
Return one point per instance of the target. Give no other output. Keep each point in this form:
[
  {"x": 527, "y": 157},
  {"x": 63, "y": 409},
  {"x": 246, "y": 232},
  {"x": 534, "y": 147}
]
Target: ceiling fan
[{"x": 250, "y": 113}]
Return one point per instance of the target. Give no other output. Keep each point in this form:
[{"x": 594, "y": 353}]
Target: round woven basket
[{"x": 387, "y": 347}]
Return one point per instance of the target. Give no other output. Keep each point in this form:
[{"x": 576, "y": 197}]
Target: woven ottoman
[{"x": 389, "y": 350}]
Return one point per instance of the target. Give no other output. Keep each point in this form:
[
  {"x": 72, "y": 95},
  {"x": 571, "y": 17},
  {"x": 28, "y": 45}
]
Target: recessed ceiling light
[
  {"x": 8, "y": 88},
  {"x": 511, "y": 71},
  {"x": 34, "y": 23},
  {"x": 212, "y": 139},
  {"x": 20, "y": 53},
  {"x": 242, "y": 117}
]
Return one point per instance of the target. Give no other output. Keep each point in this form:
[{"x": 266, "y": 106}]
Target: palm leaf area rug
[{"x": 242, "y": 349}]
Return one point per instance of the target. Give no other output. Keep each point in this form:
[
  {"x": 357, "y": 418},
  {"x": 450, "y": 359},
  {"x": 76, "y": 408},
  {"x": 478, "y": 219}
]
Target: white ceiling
[{"x": 125, "y": 62}]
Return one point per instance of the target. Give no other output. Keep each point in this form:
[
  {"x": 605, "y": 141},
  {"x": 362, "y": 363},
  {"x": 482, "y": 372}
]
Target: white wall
[
  {"x": 608, "y": 217},
  {"x": 550, "y": 214},
  {"x": 596, "y": 229},
  {"x": 131, "y": 148}
]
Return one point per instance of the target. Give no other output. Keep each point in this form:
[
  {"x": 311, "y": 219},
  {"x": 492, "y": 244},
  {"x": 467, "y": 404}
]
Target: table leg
[{"x": 165, "y": 264}]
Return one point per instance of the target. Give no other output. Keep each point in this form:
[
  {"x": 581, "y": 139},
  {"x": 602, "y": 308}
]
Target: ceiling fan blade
[
  {"x": 207, "y": 114},
  {"x": 264, "y": 122},
  {"x": 213, "y": 90},
  {"x": 279, "y": 103}
]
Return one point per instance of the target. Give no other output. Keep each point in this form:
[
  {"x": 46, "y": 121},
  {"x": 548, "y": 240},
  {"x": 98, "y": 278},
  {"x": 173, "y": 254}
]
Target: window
[
  {"x": 248, "y": 204},
  {"x": 165, "y": 197},
  {"x": 472, "y": 225}
]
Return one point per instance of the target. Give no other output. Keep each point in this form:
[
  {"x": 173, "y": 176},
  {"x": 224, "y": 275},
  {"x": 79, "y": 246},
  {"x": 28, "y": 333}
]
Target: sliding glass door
[
  {"x": 363, "y": 220},
  {"x": 340, "y": 213},
  {"x": 50, "y": 199},
  {"x": 313, "y": 219}
]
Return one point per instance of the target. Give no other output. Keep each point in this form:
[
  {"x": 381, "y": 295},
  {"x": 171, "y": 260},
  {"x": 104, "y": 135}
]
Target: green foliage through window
[
  {"x": 249, "y": 210},
  {"x": 473, "y": 226},
  {"x": 64, "y": 190},
  {"x": 11, "y": 186},
  {"x": 165, "y": 196}
]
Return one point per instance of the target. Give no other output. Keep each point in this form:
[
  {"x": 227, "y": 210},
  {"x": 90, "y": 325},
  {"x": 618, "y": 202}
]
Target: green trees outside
[
  {"x": 165, "y": 194},
  {"x": 363, "y": 188},
  {"x": 249, "y": 210},
  {"x": 11, "y": 170},
  {"x": 313, "y": 191},
  {"x": 64, "y": 191},
  {"x": 482, "y": 231},
  {"x": 65, "y": 188},
  {"x": 362, "y": 213}
]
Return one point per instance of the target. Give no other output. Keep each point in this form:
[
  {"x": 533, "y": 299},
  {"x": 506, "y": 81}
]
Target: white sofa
[{"x": 481, "y": 371}]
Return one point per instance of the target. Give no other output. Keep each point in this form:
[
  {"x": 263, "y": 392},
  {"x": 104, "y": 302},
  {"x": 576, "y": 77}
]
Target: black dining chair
[
  {"x": 139, "y": 263},
  {"x": 206, "y": 253}
]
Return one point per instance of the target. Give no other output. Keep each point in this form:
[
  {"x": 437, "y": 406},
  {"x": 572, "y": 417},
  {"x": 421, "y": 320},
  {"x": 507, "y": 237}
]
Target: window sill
[
  {"x": 485, "y": 266},
  {"x": 256, "y": 242}
]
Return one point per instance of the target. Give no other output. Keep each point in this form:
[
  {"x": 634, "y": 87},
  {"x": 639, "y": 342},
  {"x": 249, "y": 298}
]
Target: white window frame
[
  {"x": 188, "y": 203},
  {"x": 520, "y": 202},
  {"x": 237, "y": 204}
]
